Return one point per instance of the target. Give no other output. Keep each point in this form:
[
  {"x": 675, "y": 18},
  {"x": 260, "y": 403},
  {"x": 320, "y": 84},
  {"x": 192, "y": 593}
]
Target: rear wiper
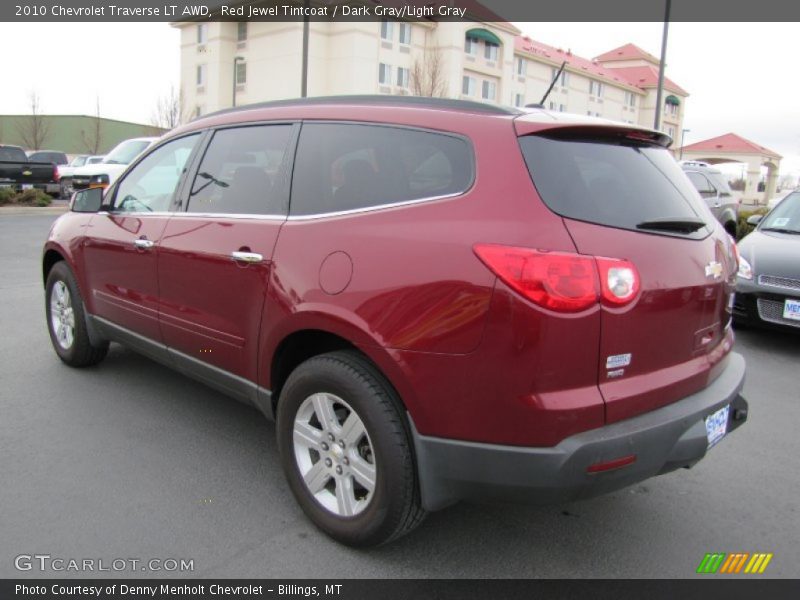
[
  {"x": 781, "y": 230},
  {"x": 676, "y": 225}
]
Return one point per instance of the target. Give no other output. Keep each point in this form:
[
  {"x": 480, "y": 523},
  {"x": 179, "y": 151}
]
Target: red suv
[{"x": 435, "y": 300}]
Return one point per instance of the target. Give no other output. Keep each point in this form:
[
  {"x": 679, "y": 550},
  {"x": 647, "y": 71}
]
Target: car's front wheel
[
  {"x": 346, "y": 451},
  {"x": 66, "y": 320}
]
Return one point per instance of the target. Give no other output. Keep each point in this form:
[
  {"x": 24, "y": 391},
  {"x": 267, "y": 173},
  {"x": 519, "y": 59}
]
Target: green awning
[
  {"x": 485, "y": 35},
  {"x": 673, "y": 100}
]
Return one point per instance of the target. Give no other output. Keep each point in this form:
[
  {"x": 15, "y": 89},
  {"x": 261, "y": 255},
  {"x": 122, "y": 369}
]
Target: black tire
[
  {"x": 394, "y": 506},
  {"x": 81, "y": 352},
  {"x": 64, "y": 190}
]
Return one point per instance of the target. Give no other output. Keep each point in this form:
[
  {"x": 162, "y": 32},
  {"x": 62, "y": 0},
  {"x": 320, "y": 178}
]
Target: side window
[
  {"x": 150, "y": 185},
  {"x": 241, "y": 172},
  {"x": 702, "y": 184},
  {"x": 351, "y": 166}
]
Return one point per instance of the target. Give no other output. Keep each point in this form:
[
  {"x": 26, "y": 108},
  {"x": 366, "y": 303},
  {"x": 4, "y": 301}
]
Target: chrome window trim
[
  {"x": 366, "y": 209},
  {"x": 182, "y": 214}
]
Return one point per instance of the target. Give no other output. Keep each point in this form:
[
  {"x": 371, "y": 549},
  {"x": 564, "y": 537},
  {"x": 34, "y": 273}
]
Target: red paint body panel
[{"x": 470, "y": 358}]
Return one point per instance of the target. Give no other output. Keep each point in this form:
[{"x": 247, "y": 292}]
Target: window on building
[
  {"x": 490, "y": 51},
  {"x": 402, "y": 77},
  {"x": 150, "y": 185},
  {"x": 519, "y": 100},
  {"x": 241, "y": 172},
  {"x": 468, "y": 85},
  {"x": 198, "y": 111},
  {"x": 671, "y": 132},
  {"x": 562, "y": 108},
  {"x": 489, "y": 90},
  {"x": 387, "y": 29},
  {"x": 201, "y": 75},
  {"x": 553, "y": 105},
  {"x": 671, "y": 109},
  {"x": 384, "y": 74},
  {"x": 595, "y": 88},
  {"x": 630, "y": 99},
  {"x": 202, "y": 33},
  {"x": 522, "y": 67},
  {"x": 241, "y": 73},
  {"x": 348, "y": 166},
  {"x": 405, "y": 33},
  {"x": 563, "y": 80},
  {"x": 241, "y": 31},
  {"x": 471, "y": 45}
]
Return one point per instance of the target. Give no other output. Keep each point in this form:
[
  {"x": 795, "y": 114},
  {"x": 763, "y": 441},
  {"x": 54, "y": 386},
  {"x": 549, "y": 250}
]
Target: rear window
[
  {"x": 57, "y": 158},
  {"x": 342, "y": 167},
  {"x": 11, "y": 153},
  {"x": 619, "y": 183}
]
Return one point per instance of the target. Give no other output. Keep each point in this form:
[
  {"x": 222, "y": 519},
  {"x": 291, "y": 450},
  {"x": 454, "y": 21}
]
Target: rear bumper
[{"x": 663, "y": 440}]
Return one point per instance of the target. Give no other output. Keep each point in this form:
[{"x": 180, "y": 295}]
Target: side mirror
[
  {"x": 86, "y": 201},
  {"x": 754, "y": 219}
]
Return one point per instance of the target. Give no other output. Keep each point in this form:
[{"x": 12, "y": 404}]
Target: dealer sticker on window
[
  {"x": 791, "y": 309},
  {"x": 717, "y": 425}
]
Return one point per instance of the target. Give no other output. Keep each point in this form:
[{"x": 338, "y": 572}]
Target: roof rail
[{"x": 379, "y": 100}]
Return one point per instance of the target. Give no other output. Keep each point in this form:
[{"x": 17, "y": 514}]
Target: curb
[{"x": 32, "y": 210}]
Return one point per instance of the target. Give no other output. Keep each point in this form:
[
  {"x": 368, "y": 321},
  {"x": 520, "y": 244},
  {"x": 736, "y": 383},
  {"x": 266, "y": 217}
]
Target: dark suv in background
[{"x": 435, "y": 300}]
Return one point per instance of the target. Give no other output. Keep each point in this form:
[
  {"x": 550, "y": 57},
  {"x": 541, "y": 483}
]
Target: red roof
[
  {"x": 730, "y": 142},
  {"x": 647, "y": 77},
  {"x": 577, "y": 63},
  {"x": 627, "y": 52}
]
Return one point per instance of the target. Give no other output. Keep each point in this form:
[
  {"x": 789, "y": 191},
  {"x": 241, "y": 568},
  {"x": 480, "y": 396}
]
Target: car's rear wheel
[
  {"x": 346, "y": 451},
  {"x": 66, "y": 320}
]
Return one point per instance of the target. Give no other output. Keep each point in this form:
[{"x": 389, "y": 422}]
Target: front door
[
  {"x": 215, "y": 257},
  {"x": 121, "y": 248}
]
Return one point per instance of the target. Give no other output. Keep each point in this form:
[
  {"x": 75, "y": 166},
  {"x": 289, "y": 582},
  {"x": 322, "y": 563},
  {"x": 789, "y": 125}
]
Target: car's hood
[{"x": 772, "y": 253}]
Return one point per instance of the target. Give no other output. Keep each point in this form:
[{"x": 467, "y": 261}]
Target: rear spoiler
[{"x": 573, "y": 126}]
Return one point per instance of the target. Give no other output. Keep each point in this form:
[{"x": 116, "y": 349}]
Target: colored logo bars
[{"x": 741, "y": 562}]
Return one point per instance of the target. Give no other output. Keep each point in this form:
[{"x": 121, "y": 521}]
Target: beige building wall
[{"x": 345, "y": 58}]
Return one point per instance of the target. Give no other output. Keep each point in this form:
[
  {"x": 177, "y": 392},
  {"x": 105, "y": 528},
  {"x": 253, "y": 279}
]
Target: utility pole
[
  {"x": 662, "y": 66},
  {"x": 304, "y": 74}
]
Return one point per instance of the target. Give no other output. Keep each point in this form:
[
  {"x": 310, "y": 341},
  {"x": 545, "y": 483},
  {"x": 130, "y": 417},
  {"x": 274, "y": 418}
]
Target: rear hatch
[{"x": 623, "y": 196}]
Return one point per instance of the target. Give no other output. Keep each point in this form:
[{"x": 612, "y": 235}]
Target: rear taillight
[
  {"x": 56, "y": 175},
  {"x": 562, "y": 281}
]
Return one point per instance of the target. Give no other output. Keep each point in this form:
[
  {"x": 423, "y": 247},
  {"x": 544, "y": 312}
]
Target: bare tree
[
  {"x": 428, "y": 76},
  {"x": 93, "y": 140},
  {"x": 34, "y": 130},
  {"x": 169, "y": 111}
]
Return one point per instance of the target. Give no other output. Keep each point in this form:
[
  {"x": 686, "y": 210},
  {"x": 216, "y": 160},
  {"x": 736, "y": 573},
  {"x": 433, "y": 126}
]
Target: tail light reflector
[{"x": 561, "y": 281}]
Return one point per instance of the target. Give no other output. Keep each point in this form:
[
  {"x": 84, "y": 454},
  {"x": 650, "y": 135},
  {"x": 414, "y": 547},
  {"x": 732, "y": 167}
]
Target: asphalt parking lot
[{"x": 132, "y": 460}]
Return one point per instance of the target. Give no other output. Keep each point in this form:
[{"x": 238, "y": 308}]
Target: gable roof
[
  {"x": 733, "y": 143},
  {"x": 627, "y": 52},
  {"x": 576, "y": 63},
  {"x": 647, "y": 77}
]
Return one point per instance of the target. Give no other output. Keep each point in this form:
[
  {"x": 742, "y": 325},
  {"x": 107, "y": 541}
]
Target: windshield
[
  {"x": 78, "y": 161},
  {"x": 125, "y": 152},
  {"x": 93, "y": 160},
  {"x": 618, "y": 183},
  {"x": 784, "y": 217}
]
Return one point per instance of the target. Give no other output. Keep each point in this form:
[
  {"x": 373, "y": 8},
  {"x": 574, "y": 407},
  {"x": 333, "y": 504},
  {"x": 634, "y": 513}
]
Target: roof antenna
[{"x": 552, "y": 84}]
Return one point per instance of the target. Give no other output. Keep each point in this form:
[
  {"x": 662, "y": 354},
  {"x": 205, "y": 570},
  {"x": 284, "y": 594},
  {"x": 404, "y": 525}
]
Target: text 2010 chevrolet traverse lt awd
[{"x": 435, "y": 300}]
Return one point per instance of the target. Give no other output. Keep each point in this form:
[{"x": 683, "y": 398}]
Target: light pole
[
  {"x": 683, "y": 137},
  {"x": 661, "y": 67},
  {"x": 236, "y": 60}
]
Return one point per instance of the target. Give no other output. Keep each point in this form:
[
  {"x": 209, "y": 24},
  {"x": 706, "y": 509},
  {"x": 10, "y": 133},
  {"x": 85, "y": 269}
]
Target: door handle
[
  {"x": 143, "y": 244},
  {"x": 247, "y": 257}
]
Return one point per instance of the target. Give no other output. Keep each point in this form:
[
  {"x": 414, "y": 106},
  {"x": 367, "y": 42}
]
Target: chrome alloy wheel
[
  {"x": 334, "y": 454},
  {"x": 62, "y": 315}
]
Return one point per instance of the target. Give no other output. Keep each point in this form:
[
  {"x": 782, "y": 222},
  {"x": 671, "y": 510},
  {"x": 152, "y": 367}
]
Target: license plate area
[
  {"x": 791, "y": 309},
  {"x": 717, "y": 425}
]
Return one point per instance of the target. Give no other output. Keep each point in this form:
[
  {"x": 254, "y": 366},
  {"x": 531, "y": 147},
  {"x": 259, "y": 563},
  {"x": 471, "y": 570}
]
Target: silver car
[
  {"x": 768, "y": 282},
  {"x": 714, "y": 189}
]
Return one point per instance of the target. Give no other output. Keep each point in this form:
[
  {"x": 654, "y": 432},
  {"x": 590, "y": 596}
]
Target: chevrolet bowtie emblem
[{"x": 714, "y": 270}]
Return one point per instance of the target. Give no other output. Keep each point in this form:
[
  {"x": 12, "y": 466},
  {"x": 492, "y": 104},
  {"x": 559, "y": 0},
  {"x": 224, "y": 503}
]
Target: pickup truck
[
  {"x": 17, "y": 172},
  {"x": 105, "y": 173}
]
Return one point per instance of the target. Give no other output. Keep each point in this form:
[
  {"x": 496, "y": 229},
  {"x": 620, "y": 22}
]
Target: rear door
[
  {"x": 216, "y": 252},
  {"x": 622, "y": 197}
]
